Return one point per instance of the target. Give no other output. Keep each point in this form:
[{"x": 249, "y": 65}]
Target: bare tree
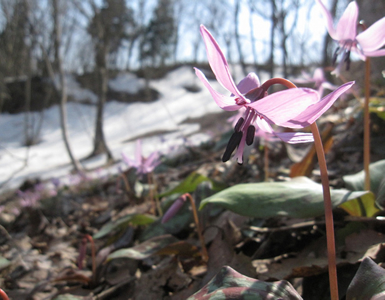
[
  {"x": 237, "y": 37},
  {"x": 285, "y": 8},
  {"x": 62, "y": 89},
  {"x": 252, "y": 37},
  {"x": 269, "y": 13},
  {"x": 106, "y": 25},
  {"x": 326, "y": 61}
]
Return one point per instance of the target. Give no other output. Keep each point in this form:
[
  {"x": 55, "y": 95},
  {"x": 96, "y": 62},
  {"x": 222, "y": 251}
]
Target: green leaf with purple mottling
[
  {"x": 133, "y": 219},
  {"x": 297, "y": 198},
  {"x": 368, "y": 283},
  {"x": 229, "y": 284},
  {"x": 145, "y": 249}
]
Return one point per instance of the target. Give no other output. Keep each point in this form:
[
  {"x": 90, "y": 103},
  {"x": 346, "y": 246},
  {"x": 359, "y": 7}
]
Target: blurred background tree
[{"x": 100, "y": 38}]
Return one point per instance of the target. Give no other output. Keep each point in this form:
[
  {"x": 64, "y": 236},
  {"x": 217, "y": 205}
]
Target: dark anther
[
  {"x": 239, "y": 124},
  {"x": 233, "y": 143},
  {"x": 250, "y": 135},
  {"x": 347, "y": 60},
  {"x": 335, "y": 55}
]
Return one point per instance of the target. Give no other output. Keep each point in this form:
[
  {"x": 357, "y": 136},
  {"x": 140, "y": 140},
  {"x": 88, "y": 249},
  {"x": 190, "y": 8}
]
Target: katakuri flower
[
  {"x": 319, "y": 80},
  {"x": 141, "y": 164},
  {"x": 366, "y": 43},
  {"x": 292, "y": 108}
]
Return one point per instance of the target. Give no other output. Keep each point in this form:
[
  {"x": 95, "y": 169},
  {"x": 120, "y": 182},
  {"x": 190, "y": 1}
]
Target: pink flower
[
  {"x": 293, "y": 108},
  {"x": 367, "y": 43},
  {"x": 319, "y": 80},
  {"x": 141, "y": 164}
]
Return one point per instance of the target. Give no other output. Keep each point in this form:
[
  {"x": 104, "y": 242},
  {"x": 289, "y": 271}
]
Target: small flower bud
[{"x": 174, "y": 208}]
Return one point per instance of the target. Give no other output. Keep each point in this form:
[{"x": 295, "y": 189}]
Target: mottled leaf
[
  {"x": 145, "y": 249},
  {"x": 229, "y": 284},
  {"x": 368, "y": 283},
  {"x": 377, "y": 106},
  {"x": 356, "y": 182},
  {"x": 134, "y": 219},
  {"x": 190, "y": 184},
  {"x": 364, "y": 206},
  {"x": 297, "y": 198}
]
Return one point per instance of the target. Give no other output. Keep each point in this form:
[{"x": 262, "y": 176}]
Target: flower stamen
[{"x": 233, "y": 143}]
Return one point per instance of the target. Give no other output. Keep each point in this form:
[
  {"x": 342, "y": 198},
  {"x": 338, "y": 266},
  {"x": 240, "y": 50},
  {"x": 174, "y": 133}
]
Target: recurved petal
[
  {"x": 279, "y": 107},
  {"x": 151, "y": 162},
  {"x": 295, "y": 137},
  {"x": 218, "y": 63},
  {"x": 372, "y": 38},
  {"x": 264, "y": 126},
  {"x": 380, "y": 52},
  {"x": 347, "y": 25},
  {"x": 329, "y": 21},
  {"x": 251, "y": 81},
  {"x": 313, "y": 112},
  {"x": 224, "y": 102},
  {"x": 138, "y": 151},
  {"x": 130, "y": 162},
  {"x": 329, "y": 86},
  {"x": 318, "y": 75}
]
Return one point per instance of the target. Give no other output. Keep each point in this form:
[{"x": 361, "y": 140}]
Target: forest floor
[{"x": 63, "y": 242}]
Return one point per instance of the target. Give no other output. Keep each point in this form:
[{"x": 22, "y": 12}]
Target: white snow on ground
[
  {"x": 121, "y": 122},
  {"x": 126, "y": 82},
  {"x": 77, "y": 93}
]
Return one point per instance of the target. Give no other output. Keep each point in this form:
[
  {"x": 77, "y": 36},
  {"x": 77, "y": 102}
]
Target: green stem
[{"x": 367, "y": 125}]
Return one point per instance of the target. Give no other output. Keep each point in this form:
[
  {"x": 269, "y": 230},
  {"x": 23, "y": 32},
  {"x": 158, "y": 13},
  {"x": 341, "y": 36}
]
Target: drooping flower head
[
  {"x": 141, "y": 164},
  {"x": 293, "y": 108},
  {"x": 365, "y": 44}
]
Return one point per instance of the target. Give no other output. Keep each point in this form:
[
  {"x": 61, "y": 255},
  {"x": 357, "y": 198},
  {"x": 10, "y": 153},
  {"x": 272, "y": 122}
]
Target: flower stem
[
  {"x": 330, "y": 240},
  {"x": 3, "y": 295},
  {"x": 367, "y": 125},
  {"x": 93, "y": 255},
  {"x": 153, "y": 194},
  {"x": 205, "y": 255},
  {"x": 126, "y": 184}
]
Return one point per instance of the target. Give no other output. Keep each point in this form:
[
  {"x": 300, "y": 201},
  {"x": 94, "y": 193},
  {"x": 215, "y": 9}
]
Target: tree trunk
[
  {"x": 284, "y": 37},
  {"x": 237, "y": 38},
  {"x": 326, "y": 61},
  {"x": 62, "y": 89},
  {"x": 272, "y": 37},
  {"x": 100, "y": 145},
  {"x": 252, "y": 37}
]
